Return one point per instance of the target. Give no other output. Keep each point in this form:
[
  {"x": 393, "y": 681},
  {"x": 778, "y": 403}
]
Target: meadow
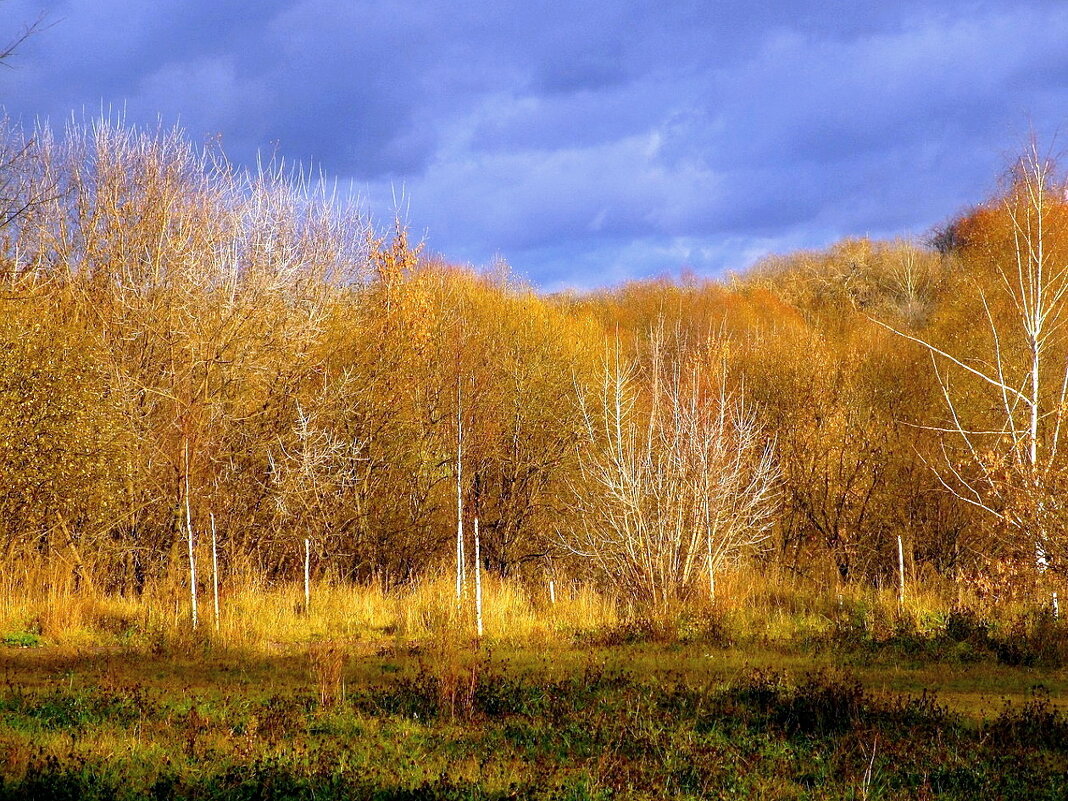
[{"x": 777, "y": 691}]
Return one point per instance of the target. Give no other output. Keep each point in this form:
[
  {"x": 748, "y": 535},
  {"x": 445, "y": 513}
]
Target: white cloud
[{"x": 571, "y": 143}]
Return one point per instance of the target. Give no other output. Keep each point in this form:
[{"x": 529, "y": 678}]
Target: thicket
[{"x": 190, "y": 347}]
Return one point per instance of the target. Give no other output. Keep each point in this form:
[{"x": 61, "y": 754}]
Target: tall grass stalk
[{"x": 65, "y": 606}]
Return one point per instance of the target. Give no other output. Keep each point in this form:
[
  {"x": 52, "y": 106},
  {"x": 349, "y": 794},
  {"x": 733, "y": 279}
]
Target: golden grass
[
  {"x": 766, "y": 605},
  {"x": 272, "y": 617}
]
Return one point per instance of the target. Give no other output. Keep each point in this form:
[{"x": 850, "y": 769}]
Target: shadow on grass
[{"x": 470, "y": 726}]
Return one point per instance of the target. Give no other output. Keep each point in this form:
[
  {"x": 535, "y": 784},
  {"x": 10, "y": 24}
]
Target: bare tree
[
  {"x": 1006, "y": 405},
  {"x": 678, "y": 477},
  {"x": 18, "y": 192}
]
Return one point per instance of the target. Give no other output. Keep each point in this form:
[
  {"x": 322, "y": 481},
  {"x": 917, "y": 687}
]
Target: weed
[
  {"x": 326, "y": 660},
  {"x": 1037, "y": 724},
  {"x": 22, "y": 639}
]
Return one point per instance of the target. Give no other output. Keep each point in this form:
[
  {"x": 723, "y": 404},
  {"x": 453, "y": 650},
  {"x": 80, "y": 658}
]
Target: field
[{"x": 372, "y": 696}]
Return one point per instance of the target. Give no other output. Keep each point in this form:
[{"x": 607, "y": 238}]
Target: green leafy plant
[{"x": 22, "y": 639}]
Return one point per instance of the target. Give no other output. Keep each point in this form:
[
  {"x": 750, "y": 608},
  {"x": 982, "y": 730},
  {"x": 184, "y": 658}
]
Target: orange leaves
[
  {"x": 394, "y": 261},
  {"x": 989, "y": 234}
]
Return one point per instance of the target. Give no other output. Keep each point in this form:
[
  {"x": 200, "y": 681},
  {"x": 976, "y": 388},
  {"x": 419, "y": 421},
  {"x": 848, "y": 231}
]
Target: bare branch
[
  {"x": 11, "y": 48},
  {"x": 993, "y": 381}
]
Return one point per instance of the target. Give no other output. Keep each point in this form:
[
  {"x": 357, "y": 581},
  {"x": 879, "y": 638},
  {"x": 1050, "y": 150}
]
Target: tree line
[{"x": 186, "y": 344}]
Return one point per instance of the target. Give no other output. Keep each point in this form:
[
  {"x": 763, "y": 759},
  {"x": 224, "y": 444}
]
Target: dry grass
[
  {"x": 48, "y": 602},
  {"x": 271, "y": 617}
]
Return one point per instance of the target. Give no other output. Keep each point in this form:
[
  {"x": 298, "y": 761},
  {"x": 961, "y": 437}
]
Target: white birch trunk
[
  {"x": 189, "y": 541},
  {"x": 215, "y": 570},
  {"x": 478, "y": 582},
  {"x": 307, "y": 576},
  {"x": 901, "y": 569},
  {"x": 711, "y": 573}
]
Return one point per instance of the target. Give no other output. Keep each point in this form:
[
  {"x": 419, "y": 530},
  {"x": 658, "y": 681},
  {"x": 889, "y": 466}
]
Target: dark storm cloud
[{"x": 590, "y": 141}]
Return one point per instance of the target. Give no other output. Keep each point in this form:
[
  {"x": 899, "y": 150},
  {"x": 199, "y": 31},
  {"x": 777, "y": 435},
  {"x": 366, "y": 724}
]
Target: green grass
[
  {"x": 22, "y": 639},
  {"x": 634, "y": 720}
]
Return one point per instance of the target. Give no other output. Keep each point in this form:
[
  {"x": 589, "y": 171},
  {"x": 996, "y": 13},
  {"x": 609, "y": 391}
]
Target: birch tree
[
  {"x": 678, "y": 477},
  {"x": 1005, "y": 401}
]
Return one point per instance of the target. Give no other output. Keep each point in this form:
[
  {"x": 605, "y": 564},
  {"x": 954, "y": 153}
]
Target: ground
[{"x": 598, "y": 719}]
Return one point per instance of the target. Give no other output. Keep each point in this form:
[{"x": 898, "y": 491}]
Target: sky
[{"x": 586, "y": 142}]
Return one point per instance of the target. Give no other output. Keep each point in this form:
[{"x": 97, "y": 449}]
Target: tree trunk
[{"x": 478, "y": 583}]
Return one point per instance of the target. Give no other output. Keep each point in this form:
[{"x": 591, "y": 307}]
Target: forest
[{"x": 192, "y": 350}]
